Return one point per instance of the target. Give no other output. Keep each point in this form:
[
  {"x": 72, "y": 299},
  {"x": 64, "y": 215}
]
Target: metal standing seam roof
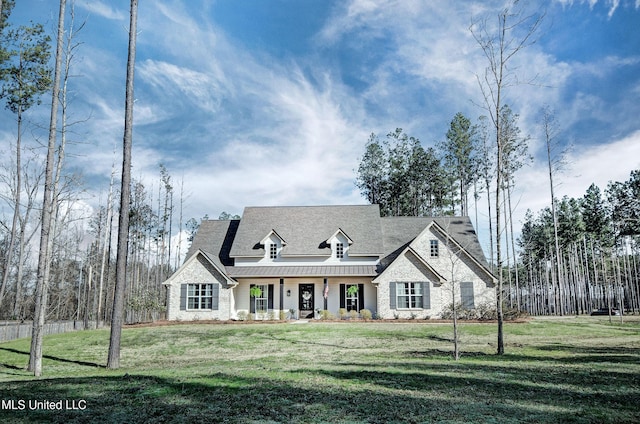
[{"x": 302, "y": 271}]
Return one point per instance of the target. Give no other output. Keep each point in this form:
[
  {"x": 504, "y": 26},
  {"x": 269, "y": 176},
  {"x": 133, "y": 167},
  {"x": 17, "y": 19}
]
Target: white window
[
  {"x": 273, "y": 250},
  {"x": 433, "y": 244},
  {"x": 409, "y": 295},
  {"x": 339, "y": 250},
  {"x": 261, "y": 300},
  {"x": 200, "y": 296},
  {"x": 351, "y": 297}
]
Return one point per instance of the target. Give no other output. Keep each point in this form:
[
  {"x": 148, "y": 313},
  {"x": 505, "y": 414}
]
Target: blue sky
[{"x": 270, "y": 102}]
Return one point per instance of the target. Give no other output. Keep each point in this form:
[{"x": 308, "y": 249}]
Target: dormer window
[
  {"x": 273, "y": 244},
  {"x": 339, "y": 243}
]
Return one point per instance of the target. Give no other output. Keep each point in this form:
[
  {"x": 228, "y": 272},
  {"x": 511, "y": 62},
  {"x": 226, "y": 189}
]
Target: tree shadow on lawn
[
  {"x": 581, "y": 380},
  {"x": 613, "y": 354},
  {"x": 567, "y": 354},
  {"x": 225, "y": 397},
  {"x": 476, "y": 383},
  {"x": 53, "y": 358}
]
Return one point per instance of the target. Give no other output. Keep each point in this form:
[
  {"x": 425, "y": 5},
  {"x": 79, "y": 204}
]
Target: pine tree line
[{"x": 596, "y": 262}]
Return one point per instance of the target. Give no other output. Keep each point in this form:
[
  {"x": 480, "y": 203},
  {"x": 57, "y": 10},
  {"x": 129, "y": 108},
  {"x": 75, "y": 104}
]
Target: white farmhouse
[{"x": 310, "y": 258}]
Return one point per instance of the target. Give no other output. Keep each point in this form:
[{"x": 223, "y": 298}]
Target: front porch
[{"x": 302, "y": 297}]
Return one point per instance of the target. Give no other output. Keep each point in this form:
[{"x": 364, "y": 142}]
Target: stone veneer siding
[
  {"x": 408, "y": 268},
  {"x": 199, "y": 271}
]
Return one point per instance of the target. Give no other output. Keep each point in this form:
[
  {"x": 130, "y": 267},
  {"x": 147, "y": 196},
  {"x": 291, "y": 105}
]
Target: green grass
[{"x": 578, "y": 370}]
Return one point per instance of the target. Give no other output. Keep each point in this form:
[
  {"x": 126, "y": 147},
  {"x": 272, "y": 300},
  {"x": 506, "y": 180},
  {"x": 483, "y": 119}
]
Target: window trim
[
  {"x": 267, "y": 292},
  {"x": 434, "y": 248},
  {"x": 350, "y": 299},
  {"x": 273, "y": 250},
  {"x": 200, "y": 296},
  {"x": 263, "y": 299},
  {"x": 411, "y": 286}
]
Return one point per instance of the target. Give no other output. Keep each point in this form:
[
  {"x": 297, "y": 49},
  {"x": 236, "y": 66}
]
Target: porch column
[{"x": 281, "y": 293}]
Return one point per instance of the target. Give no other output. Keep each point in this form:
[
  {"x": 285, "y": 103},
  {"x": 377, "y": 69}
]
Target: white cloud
[
  {"x": 104, "y": 10},
  {"x": 270, "y": 131},
  {"x": 273, "y": 131},
  {"x": 182, "y": 84},
  {"x": 597, "y": 165},
  {"x": 612, "y": 5}
]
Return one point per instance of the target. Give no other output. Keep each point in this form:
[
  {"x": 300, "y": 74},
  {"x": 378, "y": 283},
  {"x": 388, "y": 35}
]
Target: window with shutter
[
  {"x": 199, "y": 297},
  {"x": 410, "y": 295},
  {"x": 264, "y": 301},
  {"x": 353, "y": 301}
]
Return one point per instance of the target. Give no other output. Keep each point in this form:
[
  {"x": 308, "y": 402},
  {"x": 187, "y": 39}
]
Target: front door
[{"x": 305, "y": 300}]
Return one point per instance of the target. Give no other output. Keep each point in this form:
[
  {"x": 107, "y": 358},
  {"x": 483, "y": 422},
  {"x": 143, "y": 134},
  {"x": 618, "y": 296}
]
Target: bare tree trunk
[
  {"x": 105, "y": 249},
  {"x": 35, "y": 354},
  {"x": 498, "y": 49},
  {"x": 16, "y": 210},
  {"x": 513, "y": 249},
  {"x": 491, "y": 250},
  {"x": 24, "y": 240},
  {"x": 179, "y": 247},
  {"x": 113, "y": 360}
]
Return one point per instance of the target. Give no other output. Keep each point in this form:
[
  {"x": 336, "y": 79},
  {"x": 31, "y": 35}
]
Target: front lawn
[{"x": 576, "y": 370}]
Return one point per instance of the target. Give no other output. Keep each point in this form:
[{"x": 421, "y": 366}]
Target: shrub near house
[{"x": 333, "y": 258}]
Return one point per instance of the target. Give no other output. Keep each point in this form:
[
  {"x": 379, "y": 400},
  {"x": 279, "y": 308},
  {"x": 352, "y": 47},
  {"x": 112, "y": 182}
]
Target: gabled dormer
[
  {"x": 339, "y": 243},
  {"x": 273, "y": 245}
]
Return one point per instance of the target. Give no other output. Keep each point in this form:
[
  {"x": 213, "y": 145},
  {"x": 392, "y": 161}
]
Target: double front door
[{"x": 306, "y": 303}]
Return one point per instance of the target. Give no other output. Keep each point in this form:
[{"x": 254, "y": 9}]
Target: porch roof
[{"x": 302, "y": 271}]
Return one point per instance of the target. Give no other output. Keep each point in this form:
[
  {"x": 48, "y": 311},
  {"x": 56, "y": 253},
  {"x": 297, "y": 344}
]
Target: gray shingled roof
[
  {"x": 399, "y": 231},
  {"x": 306, "y": 229},
  {"x": 462, "y": 231},
  {"x": 214, "y": 238}
]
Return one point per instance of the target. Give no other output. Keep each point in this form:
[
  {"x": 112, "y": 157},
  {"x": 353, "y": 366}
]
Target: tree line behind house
[{"x": 579, "y": 255}]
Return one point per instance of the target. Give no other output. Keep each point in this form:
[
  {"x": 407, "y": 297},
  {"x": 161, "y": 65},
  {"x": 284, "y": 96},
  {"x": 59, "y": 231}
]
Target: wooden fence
[{"x": 11, "y": 330}]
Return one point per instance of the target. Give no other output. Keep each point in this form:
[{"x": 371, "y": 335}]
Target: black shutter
[
  {"x": 426, "y": 295},
  {"x": 215, "y": 296},
  {"x": 342, "y": 296},
  {"x": 392, "y": 295},
  {"x": 361, "y": 296},
  {"x": 183, "y": 297},
  {"x": 270, "y": 297},
  {"x": 252, "y": 301}
]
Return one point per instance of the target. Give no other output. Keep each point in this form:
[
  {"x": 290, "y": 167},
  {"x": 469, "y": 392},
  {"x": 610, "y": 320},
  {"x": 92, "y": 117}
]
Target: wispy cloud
[
  {"x": 102, "y": 9},
  {"x": 268, "y": 131},
  {"x": 611, "y": 5},
  {"x": 244, "y": 127}
]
